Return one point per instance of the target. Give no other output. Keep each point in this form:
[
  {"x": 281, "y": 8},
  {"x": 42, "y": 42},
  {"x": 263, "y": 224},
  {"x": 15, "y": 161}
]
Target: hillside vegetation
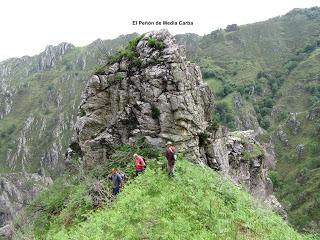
[
  {"x": 266, "y": 75},
  {"x": 196, "y": 204}
]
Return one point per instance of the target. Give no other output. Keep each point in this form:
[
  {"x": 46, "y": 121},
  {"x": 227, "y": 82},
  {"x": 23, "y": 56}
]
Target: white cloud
[{"x": 28, "y": 26}]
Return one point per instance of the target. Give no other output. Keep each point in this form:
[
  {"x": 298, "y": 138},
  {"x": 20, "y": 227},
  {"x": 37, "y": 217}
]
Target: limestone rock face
[
  {"x": 245, "y": 119},
  {"x": 243, "y": 160},
  {"x": 293, "y": 123},
  {"x": 314, "y": 113},
  {"x": 160, "y": 96},
  {"x": 52, "y": 54},
  {"x": 17, "y": 189},
  {"x": 163, "y": 99}
]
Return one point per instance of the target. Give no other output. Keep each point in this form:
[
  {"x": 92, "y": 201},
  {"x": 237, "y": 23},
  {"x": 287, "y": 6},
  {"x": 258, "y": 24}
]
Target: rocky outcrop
[
  {"x": 156, "y": 94},
  {"x": 16, "y": 190},
  {"x": 314, "y": 113},
  {"x": 245, "y": 117},
  {"x": 52, "y": 55},
  {"x": 283, "y": 137},
  {"x": 299, "y": 150},
  {"x": 163, "y": 99},
  {"x": 245, "y": 161},
  {"x": 293, "y": 123}
]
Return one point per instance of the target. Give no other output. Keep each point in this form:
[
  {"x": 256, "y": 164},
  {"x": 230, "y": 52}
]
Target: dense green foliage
[
  {"x": 154, "y": 43},
  {"x": 129, "y": 52}
]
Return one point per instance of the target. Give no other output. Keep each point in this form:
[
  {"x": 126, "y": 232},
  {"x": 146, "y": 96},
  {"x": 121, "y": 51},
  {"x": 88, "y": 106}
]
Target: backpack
[
  {"x": 122, "y": 175},
  {"x": 145, "y": 163}
]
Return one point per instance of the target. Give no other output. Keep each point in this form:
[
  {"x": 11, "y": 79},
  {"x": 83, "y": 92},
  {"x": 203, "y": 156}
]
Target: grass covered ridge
[{"x": 197, "y": 204}]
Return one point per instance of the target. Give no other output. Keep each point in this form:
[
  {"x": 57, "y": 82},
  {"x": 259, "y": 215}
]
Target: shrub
[
  {"x": 213, "y": 124},
  {"x": 256, "y": 152},
  {"x": 155, "y": 43},
  {"x": 118, "y": 77},
  {"x": 100, "y": 70},
  {"x": 264, "y": 123},
  {"x": 227, "y": 89},
  {"x": 155, "y": 112},
  {"x": 82, "y": 112},
  {"x": 129, "y": 52},
  {"x": 275, "y": 178},
  {"x": 224, "y": 115},
  {"x": 290, "y": 65}
]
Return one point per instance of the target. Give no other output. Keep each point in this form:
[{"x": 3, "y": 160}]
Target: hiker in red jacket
[
  {"x": 139, "y": 163},
  {"x": 171, "y": 158}
]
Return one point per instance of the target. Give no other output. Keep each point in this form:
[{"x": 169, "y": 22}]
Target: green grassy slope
[
  {"x": 196, "y": 204},
  {"x": 300, "y": 175},
  {"x": 260, "y": 46}
]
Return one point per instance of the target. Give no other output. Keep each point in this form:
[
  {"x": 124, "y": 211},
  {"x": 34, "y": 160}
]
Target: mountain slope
[
  {"x": 39, "y": 99},
  {"x": 197, "y": 204},
  {"x": 298, "y": 144},
  {"x": 266, "y": 75}
]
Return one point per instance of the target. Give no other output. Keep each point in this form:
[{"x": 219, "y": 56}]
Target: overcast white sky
[{"x": 28, "y": 26}]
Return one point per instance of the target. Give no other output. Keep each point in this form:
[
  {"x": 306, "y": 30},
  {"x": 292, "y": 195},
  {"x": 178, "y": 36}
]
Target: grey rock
[
  {"x": 161, "y": 101},
  {"x": 17, "y": 189},
  {"x": 293, "y": 123},
  {"x": 272, "y": 202},
  {"x": 283, "y": 137},
  {"x": 245, "y": 117},
  {"x": 7, "y": 232},
  {"x": 52, "y": 55},
  {"x": 314, "y": 113},
  {"x": 225, "y": 153},
  {"x": 299, "y": 150}
]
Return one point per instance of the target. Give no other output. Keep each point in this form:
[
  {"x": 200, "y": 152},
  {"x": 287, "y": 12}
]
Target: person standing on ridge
[
  {"x": 139, "y": 163},
  {"x": 116, "y": 182},
  {"x": 171, "y": 158}
]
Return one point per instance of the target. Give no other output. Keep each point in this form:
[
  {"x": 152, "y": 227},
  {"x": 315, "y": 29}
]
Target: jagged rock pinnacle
[
  {"x": 160, "y": 96},
  {"x": 150, "y": 91}
]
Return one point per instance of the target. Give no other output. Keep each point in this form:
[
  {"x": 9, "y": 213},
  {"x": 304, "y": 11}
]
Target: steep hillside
[
  {"x": 296, "y": 133},
  {"x": 197, "y": 204},
  {"x": 266, "y": 77}
]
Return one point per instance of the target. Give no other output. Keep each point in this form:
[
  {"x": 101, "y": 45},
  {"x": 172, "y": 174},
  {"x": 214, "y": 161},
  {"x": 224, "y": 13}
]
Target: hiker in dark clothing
[
  {"x": 139, "y": 163},
  {"x": 116, "y": 182},
  {"x": 171, "y": 158}
]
